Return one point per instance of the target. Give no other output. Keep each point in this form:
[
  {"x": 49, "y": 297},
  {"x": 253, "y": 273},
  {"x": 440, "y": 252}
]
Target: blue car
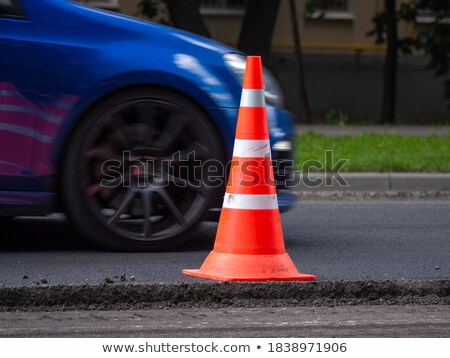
[{"x": 117, "y": 122}]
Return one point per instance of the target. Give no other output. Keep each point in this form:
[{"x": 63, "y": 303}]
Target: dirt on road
[{"x": 224, "y": 295}]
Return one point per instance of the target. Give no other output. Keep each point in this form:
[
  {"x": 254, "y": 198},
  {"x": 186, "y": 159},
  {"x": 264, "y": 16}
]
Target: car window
[{"x": 11, "y": 8}]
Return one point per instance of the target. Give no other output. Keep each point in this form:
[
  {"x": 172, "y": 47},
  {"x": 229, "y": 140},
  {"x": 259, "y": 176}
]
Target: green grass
[{"x": 375, "y": 152}]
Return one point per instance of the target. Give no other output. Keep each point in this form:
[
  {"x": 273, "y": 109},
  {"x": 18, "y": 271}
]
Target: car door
[{"x": 17, "y": 111}]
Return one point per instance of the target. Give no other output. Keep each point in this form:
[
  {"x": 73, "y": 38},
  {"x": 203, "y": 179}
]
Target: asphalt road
[
  {"x": 359, "y": 321},
  {"x": 335, "y": 240}
]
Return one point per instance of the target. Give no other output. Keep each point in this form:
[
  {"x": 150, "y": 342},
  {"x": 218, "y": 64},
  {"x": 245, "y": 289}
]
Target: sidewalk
[
  {"x": 376, "y": 182},
  {"x": 337, "y": 130}
]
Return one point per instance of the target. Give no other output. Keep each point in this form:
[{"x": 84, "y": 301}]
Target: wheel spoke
[
  {"x": 145, "y": 113},
  {"x": 109, "y": 193},
  {"x": 147, "y": 207},
  {"x": 129, "y": 196},
  {"x": 121, "y": 137},
  {"x": 101, "y": 152},
  {"x": 172, "y": 130},
  {"x": 96, "y": 188},
  {"x": 183, "y": 183},
  {"x": 171, "y": 205},
  {"x": 143, "y": 129}
]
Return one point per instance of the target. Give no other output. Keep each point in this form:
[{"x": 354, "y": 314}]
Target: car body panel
[{"x": 62, "y": 68}]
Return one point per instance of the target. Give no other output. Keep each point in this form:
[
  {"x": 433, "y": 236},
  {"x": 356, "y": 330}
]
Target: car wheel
[{"x": 130, "y": 174}]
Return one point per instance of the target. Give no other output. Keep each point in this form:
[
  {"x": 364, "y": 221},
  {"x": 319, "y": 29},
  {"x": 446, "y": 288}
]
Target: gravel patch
[{"x": 220, "y": 295}]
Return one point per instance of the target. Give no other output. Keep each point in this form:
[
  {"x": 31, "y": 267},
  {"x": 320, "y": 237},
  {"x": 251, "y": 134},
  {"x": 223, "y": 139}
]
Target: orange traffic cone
[{"x": 249, "y": 244}]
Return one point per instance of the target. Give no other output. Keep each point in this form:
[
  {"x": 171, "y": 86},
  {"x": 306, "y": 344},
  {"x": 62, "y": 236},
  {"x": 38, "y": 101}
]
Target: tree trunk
[
  {"x": 390, "y": 67},
  {"x": 304, "y": 101},
  {"x": 186, "y": 15},
  {"x": 257, "y": 27}
]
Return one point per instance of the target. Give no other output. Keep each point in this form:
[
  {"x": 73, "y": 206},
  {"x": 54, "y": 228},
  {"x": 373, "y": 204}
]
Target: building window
[
  {"x": 340, "y": 6},
  {"x": 425, "y": 16},
  {"x": 104, "y": 4},
  {"x": 338, "y": 10},
  {"x": 223, "y": 7},
  {"x": 428, "y": 15}
]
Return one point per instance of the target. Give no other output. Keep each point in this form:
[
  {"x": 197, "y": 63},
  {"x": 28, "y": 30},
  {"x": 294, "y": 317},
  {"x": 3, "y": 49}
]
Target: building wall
[
  {"x": 343, "y": 67},
  {"x": 353, "y": 84},
  {"x": 332, "y": 34},
  {"x": 327, "y": 34},
  {"x": 128, "y": 7}
]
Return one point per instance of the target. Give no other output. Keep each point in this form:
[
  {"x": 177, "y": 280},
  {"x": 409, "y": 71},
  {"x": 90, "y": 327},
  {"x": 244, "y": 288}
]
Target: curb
[
  {"x": 375, "y": 182},
  {"x": 217, "y": 295}
]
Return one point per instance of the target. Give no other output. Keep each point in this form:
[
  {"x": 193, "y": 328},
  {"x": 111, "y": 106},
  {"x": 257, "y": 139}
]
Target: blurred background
[
  {"x": 369, "y": 80},
  {"x": 338, "y": 61}
]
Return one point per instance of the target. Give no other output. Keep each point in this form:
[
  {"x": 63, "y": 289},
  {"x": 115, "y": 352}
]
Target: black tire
[{"x": 140, "y": 213}]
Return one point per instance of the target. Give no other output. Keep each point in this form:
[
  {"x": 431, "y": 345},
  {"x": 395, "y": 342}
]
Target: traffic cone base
[{"x": 239, "y": 267}]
